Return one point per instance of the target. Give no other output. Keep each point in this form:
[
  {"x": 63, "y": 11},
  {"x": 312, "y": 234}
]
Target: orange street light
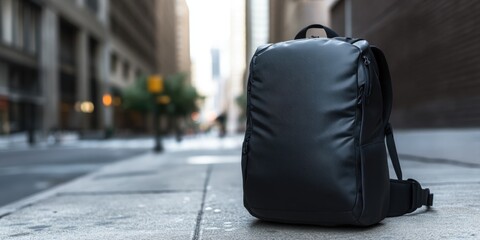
[{"x": 107, "y": 99}]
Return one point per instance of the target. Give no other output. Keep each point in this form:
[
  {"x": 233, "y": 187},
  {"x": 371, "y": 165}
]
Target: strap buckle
[
  {"x": 420, "y": 196},
  {"x": 429, "y": 198}
]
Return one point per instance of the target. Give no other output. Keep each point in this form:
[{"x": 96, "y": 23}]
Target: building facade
[
  {"x": 257, "y": 25},
  {"x": 432, "y": 54},
  {"x": 132, "y": 55},
  {"x": 20, "y": 85},
  {"x": 58, "y": 58},
  {"x": 287, "y": 17},
  {"x": 173, "y": 37}
]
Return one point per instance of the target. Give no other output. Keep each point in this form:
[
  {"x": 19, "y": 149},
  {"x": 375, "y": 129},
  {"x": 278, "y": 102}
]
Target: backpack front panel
[{"x": 302, "y": 158}]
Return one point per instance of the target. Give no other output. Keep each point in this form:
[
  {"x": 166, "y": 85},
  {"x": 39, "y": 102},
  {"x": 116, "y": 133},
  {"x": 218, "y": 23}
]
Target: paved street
[
  {"x": 26, "y": 171},
  {"x": 197, "y": 194}
]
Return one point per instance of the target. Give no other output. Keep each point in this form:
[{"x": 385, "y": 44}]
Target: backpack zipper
[
  {"x": 249, "y": 117},
  {"x": 368, "y": 85},
  {"x": 360, "y": 94}
]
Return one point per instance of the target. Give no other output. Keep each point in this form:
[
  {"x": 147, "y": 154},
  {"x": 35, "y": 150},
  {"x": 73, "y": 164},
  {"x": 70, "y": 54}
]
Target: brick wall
[{"x": 433, "y": 51}]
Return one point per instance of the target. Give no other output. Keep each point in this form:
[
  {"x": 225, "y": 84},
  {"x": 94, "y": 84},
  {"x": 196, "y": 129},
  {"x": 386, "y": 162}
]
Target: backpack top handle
[{"x": 303, "y": 32}]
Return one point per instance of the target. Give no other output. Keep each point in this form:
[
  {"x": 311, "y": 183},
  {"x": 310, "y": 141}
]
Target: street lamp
[
  {"x": 107, "y": 99},
  {"x": 155, "y": 87},
  {"x": 85, "y": 108}
]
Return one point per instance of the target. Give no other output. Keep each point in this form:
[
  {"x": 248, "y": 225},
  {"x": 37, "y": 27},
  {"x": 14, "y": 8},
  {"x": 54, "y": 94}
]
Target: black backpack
[{"x": 314, "y": 150}]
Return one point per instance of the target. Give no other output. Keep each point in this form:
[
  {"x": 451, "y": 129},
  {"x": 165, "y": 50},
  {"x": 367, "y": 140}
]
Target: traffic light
[{"x": 155, "y": 84}]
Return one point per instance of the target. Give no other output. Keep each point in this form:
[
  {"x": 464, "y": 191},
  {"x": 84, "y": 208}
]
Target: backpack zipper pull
[
  {"x": 366, "y": 60},
  {"x": 368, "y": 84}
]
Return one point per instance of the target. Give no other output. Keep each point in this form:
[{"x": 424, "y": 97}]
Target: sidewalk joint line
[
  {"x": 196, "y": 233},
  {"x": 421, "y": 159},
  {"x": 449, "y": 183},
  {"x": 123, "y": 192}
]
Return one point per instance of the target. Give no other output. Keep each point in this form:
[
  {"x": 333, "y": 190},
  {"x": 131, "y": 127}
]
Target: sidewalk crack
[
  {"x": 18, "y": 209},
  {"x": 5, "y": 214},
  {"x": 196, "y": 233}
]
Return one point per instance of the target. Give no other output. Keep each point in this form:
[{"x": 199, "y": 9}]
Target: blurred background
[{"x": 78, "y": 74}]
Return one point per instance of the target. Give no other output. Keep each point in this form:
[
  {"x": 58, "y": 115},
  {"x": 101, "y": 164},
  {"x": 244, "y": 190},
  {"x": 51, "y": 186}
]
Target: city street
[
  {"x": 26, "y": 171},
  {"x": 124, "y": 119},
  {"x": 194, "y": 191}
]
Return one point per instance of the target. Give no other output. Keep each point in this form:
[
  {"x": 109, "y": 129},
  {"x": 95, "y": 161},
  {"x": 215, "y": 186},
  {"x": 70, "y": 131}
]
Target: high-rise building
[
  {"x": 237, "y": 66},
  {"x": 173, "y": 37},
  {"x": 59, "y": 57},
  {"x": 432, "y": 54},
  {"x": 132, "y": 46},
  {"x": 257, "y": 25},
  {"x": 218, "y": 55}
]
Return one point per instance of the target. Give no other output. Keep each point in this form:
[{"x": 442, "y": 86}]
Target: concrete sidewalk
[{"x": 197, "y": 194}]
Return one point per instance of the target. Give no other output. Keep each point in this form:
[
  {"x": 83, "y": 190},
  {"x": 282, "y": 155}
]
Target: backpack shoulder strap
[{"x": 405, "y": 195}]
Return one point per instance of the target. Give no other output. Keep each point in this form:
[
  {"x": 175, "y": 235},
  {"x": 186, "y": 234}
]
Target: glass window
[
  {"x": 25, "y": 27},
  {"x": 7, "y": 21},
  {"x": 113, "y": 63},
  {"x": 30, "y": 27},
  {"x": 33, "y": 41},
  {"x": 126, "y": 71},
  {"x": 1, "y": 25},
  {"x": 19, "y": 24},
  {"x": 3, "y": 74},
  {"x": 92, "y": 5},
  {"x": 23, "y": 80}
]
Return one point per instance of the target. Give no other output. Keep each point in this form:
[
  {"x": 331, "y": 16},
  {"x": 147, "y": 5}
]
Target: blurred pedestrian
[{"x": 221, "y": 120}]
